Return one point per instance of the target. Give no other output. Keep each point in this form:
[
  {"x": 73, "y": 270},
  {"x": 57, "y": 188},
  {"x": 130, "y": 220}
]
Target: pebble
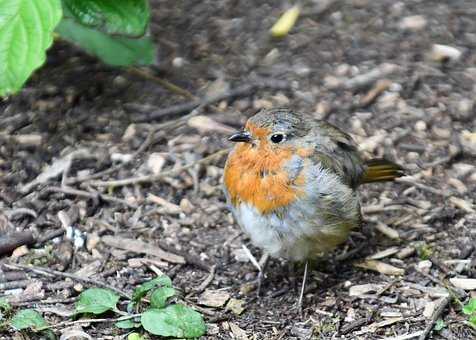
[
  {"x": 420, "y": 126},
  {"x": 155, "y": 162},
  {"x": 468, "y": 142},
  {"x": 413, "y": 23},
  {"x": 444, "y": 53},
  {"x": 424, "y": 266},
  {"x": 178, "y": 62}
]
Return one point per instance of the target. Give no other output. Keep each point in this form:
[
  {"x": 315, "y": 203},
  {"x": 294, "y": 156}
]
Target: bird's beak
[{"x": 242, "y": 136}]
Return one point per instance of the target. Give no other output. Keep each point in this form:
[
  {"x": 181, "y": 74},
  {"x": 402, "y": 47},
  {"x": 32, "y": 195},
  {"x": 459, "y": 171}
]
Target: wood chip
[
  {"x": 205, "y": 124},
  {"x": 380, "y": 267},
  {"x": 238, "y": 333},
  {"x": 466, "y": 284},
  {"x": 169, "y": 208},
  {"x": 406, "y": 252},
  {"x": 214, "y": 298},
  {"x": 141, "y": 247},
  {"x": 360, "y": 290},
  {"x": 462, "y": 204},
  {"x": 387, "y": 231},
  {"x": 384, "y": 253},
  {"x": 236, "y": 306}
]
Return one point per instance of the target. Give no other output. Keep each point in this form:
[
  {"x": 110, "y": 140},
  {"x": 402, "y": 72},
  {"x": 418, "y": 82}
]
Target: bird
[{"x": 291, "y": 183}]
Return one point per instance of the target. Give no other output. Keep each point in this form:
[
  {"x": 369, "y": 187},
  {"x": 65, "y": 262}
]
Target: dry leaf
[{"x": 214, "y": 298}]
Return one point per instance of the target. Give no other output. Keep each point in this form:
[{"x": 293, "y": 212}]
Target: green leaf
[
  {"x": 440, "y": 324},
  {"x": 177, "y": 321},
  {"x": 96, "y": 301},
  {"x": 470, "y": 307},
  {"x": 113, "y": 50},
  {"x": 126, "y": 324},
  {"x": 26, "y": 32},
  {"x": 4, "y": 305},
  {"x": 143, "y": 289},
  {"x": 135, "y": 336},
  {"x": 28, "y": 318},
  {"x": 119, "y": 17},
  {"x": 472, "y": 321},
  {"x": 159, "y": 297}
]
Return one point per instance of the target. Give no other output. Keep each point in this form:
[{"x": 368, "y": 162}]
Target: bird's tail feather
[{"x": 381, "y": 170}]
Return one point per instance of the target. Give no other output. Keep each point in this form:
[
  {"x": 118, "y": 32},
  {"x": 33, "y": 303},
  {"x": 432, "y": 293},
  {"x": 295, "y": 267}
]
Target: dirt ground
[{"x": 367, "y": 66}]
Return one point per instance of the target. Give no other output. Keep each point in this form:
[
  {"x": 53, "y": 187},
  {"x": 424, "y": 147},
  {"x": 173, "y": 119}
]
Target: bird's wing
[{"x": 337, "y": 151}]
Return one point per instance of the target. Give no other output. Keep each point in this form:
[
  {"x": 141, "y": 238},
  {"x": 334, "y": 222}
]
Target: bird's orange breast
[{"x": 257, "y": 175}]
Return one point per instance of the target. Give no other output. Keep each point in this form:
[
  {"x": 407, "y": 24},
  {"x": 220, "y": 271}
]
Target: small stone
[
  {"x": 78, "y": 287},
  {"x": 424, "y": 266},
  {"x": 92, "y": 241},
  {"x": 121, "y": 157},
  {"x": 155, "y": 163},
  {"x": 444, "y": 53},
  {"x": 413, "y": 23},
  {"x": 178, "y": 62},
  {"x": 468, "y": 142},
  {"x": 130, "y": 133},
  {"x": 186, "y": 206},
  {"x": 420, "y": 125},
  {"x": 342, "y": 70},
  {"x": 214, "y": 298}
]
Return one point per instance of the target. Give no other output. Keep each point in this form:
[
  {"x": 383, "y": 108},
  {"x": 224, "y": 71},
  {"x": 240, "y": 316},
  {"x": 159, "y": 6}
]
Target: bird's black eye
[{"x": 277, "y": 138}]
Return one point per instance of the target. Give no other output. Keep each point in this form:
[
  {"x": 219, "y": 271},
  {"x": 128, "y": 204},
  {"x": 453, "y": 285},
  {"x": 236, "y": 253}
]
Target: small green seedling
[
  {"x": 470, "y": 310},
  {"x": 158, "y": 317}
]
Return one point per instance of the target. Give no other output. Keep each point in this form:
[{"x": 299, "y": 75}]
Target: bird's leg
[
  {"x": 303, "y": 287},
  {"x": 263, "y": 261},
  {"x": 261, "y": 265}
]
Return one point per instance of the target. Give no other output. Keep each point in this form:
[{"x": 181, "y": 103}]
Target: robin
[{"x": 291, "y": 182}]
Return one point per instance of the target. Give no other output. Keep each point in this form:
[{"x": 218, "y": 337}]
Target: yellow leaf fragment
[{"x": 286, "y": 22}]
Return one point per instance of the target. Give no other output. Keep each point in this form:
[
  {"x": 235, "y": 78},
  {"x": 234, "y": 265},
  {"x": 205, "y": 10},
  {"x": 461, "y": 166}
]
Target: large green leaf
[
  {"x": 96, "y": 301},
  {"x": 113, "y": 50},
  {"x": 26, "y": 28},
  {"x": 122, "y": 17},
  {"x": 176, "y": 321}
]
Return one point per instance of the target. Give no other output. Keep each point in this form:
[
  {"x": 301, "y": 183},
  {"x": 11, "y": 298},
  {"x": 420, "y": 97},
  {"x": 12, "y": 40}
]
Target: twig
[
  {"x": 239, "y": 91},
  {"x": 11, "y": 241},
  {"x": 162, "y": 82},
  {"x": 92, "y": 195},
  {"x": 156, "y": 177},
  {"x": 436, "y": 314},
  {"x": 51, "y": 272},
  {"x": 207, "y": 281},
  {"x": 77, "y": 322},
  {"x": 147, "y": 142},
  {"x": 421, "y": 186}
]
